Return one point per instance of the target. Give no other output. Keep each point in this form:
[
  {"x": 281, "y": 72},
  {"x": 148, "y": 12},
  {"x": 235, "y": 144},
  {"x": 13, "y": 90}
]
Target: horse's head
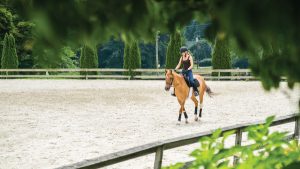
[{"x": 169, "y": 79}]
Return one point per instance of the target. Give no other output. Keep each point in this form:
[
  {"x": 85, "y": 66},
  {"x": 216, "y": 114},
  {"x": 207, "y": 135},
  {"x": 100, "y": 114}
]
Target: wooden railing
[
  {"x": 159, "y": 146},
  {"x": 155, "y": 74}
]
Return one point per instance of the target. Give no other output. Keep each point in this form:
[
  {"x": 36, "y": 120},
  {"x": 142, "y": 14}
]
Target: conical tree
[
  {"x": 126, "y": 64},
  {"x": 173, "y": 54},
  {"x": 169, "y": 54},
  {"x": 178, "y": 43},
  {"x": 221, "y": 57},
  {"x": 88, "y": 59},
  {"x": 9, "y": 58},
  {"x": 135, "y": 54},
  {"x": 132, "y": 57}
]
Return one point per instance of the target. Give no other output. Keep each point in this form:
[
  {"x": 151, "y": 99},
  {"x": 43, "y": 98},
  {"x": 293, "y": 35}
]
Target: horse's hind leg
[
  {"x": 196, "y": 107},
  {"x": 179, "y": 116},
  {"x": 201, "y": 103}
]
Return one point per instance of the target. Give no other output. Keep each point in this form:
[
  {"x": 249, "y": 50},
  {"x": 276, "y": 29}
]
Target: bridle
[{"x": 171, "y": 79}]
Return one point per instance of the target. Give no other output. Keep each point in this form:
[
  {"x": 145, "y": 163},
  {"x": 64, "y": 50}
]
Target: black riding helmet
[{"x": 183, "y": 49}]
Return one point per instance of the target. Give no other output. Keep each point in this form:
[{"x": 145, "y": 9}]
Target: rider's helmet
[{"x": 183, "y": 49}]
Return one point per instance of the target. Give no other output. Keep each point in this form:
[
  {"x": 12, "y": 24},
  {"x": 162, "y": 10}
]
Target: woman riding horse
[
  {"x": 181, "y": 89},
  {"x": 186, "y": 60}
]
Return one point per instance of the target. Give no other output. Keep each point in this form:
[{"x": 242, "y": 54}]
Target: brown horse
[{"x": 182, "y": 92}]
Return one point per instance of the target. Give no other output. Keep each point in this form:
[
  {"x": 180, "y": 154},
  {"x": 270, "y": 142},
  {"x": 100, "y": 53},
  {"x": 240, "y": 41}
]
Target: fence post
[
  {"x": 297, "y": 128},
  {"x": 158, "y": 157},
  {"x": 86, "y": 74},
  {"x": 238, "y": 142},
  {"x": 219, "y": 74}
]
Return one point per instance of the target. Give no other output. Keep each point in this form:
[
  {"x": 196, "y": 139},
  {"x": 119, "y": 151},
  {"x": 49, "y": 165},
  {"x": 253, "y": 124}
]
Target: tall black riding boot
[{"x": 196, "y": 92}]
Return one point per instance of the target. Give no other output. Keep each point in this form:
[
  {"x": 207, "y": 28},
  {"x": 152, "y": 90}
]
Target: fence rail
[
  {"x": 155, "y": 74},
  {"x": 159, "y": 146}
]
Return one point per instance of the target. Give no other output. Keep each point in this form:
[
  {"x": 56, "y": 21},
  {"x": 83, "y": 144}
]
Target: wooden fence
[
  {"x": 159, "y": 146},
  {"x": 155, "y": 74}
]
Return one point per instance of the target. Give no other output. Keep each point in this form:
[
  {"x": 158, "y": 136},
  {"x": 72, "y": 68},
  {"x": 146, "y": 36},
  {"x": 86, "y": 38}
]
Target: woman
[{"x": 186, "y": 60}]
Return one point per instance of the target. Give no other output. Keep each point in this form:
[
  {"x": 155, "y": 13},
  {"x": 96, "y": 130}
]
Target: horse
[{"x": 182, "y": 92}]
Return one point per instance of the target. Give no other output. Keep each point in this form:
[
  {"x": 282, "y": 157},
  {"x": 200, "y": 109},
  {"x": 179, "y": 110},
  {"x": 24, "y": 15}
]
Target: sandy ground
[{"x": 50, "y": 123}]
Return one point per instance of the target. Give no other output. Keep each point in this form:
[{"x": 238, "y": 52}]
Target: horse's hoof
[
  {"x": 196, "y": 118},
  {"x": 178, "y": 123},
  {"x": 186, "y": 122}
]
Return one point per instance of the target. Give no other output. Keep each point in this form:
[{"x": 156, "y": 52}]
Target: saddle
[{"x": 196, "y": 82}]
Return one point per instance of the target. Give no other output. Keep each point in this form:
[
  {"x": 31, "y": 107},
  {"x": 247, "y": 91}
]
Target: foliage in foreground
[{"x": 277, "y": 153}]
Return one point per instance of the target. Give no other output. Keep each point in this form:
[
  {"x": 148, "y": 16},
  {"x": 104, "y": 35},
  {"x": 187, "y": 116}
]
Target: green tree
[
  {"x": 6, "y": 22},
  {"x": 111, "y": 54},
  {"x": 126, "y": 64},
  {"x": 135, "y": 55},
  {"x": 9, "y": 58},
  {"x": 169, "y": 54},
  {"x": 173, "y": 51},
  {"x": 68, "y": 56},
  {"x": 24, "y": 42},
  {"x": 201, "y": 50},
  {"x": 6, "y": 25},
  {"x": 132, "y": 57},
  {"x": 221, "y": 56},
  {"x": 88, "y": 58}
]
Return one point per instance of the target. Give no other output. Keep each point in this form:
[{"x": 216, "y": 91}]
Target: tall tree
[
  {"x": 132, "y": 57},
  {"x": 9, "y": 58},
  {"x": 126, "y": 64},
  {"x": 173, "y": 51},
  {"x": 178, "y": 43},
  {"x": 169, "y": 54},
  {"x": 221, "y": 57},
  {"x": 135, "y": 55},
  {"x": 88, "y": 58}
]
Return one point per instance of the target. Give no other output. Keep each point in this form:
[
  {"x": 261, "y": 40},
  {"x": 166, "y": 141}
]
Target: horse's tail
[{"x": 209, "y": 92}]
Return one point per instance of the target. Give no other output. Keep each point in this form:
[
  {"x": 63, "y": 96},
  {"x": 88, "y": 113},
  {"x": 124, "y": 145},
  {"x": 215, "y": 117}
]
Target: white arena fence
[
  {"x": 146, "y": 74},
  {"x": 160, "y": 146}
]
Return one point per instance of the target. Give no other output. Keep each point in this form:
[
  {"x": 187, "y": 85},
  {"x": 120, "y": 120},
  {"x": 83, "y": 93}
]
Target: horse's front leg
[
  {"x": 196, "y": 107},
  {"x": 182, "y": 110}
]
